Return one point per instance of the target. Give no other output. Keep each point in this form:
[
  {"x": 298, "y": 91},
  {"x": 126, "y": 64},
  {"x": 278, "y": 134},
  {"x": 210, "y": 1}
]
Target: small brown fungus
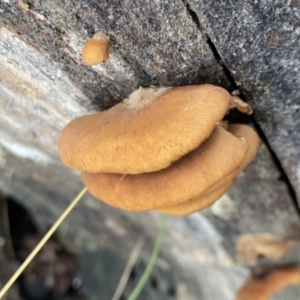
[
  {"x": 96, "y": 50},
  {"x": 262, "y": 286},
  {"x": 252, "y": 247},
  {"x": 162, "y": 148}
]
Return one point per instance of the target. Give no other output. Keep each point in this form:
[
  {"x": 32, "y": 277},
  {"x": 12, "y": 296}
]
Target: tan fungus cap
[
  {"x": 96, "y": 50},
  {"x": 221, "y": 187},
  {"x": 264, "y": 286},
  {"x": 199, "y": 202},
  {"x": 146, "y": 132},
  {"x": 221, "y": 154}
]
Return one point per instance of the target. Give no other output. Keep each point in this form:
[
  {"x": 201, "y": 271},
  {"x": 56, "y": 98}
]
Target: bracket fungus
[
  {"x": 96, "y": 50},
  {"x": 161, "y": 148},
  {"x": 252, "y": 247},
  {"x": 265, "y": 284}
]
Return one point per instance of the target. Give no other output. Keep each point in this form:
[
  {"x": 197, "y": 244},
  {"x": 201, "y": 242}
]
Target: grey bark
[{"x": 43, "y": 85}]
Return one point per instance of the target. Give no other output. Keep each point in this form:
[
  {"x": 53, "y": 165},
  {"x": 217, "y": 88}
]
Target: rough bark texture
[
  {"x": 43, "y": 85},
  {"x": 258, "y": 42}
]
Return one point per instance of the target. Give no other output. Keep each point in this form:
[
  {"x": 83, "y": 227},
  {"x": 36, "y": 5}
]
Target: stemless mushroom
[
  {"x": 263, "y": 286},
  {"x": 222, "y": 186},
  {"x": 252, "y": 247},
  {"x": 146, "y": 132},
  {"x": 190, "y": 176},
  {"x": 162, "y": 148},
  {"x": 96, "y": 50}
]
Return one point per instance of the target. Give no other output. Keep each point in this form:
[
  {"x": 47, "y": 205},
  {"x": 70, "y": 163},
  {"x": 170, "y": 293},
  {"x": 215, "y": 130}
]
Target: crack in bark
[{"x": 274, "y": 157}]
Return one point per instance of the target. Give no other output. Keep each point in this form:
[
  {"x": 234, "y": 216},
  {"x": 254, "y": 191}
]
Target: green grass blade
[{"x": 140, "y": 285}]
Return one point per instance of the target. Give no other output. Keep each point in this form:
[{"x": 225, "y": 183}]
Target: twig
[
  {"x": 130, "y": 264},
  {"x": 40, "y": 245}
]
